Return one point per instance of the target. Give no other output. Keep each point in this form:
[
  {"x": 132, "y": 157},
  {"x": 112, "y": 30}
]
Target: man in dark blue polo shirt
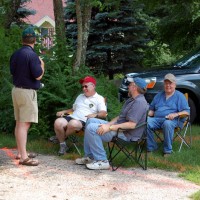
[{"x": 26, "y": 68}]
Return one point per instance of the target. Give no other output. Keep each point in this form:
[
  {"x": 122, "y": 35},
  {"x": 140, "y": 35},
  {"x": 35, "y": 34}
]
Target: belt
[{"x": 24, "y": 88}]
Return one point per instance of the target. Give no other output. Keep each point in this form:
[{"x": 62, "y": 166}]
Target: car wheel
[{"x": 193, "y": 112}]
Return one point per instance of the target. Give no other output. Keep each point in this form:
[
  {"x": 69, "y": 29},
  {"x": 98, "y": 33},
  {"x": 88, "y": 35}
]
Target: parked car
[{"x": 187, "y": 72}]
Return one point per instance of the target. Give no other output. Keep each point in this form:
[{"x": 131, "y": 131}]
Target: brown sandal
[
  {"x": 29, "y": 162},
  {"x": 30, "y": 155}
]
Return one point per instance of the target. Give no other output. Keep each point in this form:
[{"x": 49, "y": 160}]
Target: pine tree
[
  {"x": 14, "y": 11},
  {"x": 117, "y": 38}
]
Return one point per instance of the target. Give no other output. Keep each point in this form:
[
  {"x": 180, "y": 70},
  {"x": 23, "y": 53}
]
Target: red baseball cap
[{"x": 88, "y": 79}]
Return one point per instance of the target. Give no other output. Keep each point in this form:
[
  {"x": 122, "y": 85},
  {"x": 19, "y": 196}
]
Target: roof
[{"x": 44, "y": 12}]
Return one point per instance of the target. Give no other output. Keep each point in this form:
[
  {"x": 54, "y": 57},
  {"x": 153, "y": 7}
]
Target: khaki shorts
[{"x": 25, "y": 105}]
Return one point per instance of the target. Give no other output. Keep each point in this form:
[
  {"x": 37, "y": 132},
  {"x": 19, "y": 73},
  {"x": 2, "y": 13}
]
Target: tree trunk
[
  {"x": 83, "y": 15},
  {"x": 86, "y": 28},
  {"x": 60, "y": 24},
  {"x": 77, "y": 61}
]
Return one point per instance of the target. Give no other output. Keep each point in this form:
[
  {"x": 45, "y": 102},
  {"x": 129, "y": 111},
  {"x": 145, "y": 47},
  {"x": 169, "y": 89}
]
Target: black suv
[{"x": 187, "y": 72}]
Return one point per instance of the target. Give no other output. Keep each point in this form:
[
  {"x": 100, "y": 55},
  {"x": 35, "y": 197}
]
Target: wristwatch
[{"x": 110, "y": 128}]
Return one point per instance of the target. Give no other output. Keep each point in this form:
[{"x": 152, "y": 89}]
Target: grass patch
[
  {"x": 186, "y": 162},
  {"x": 7, "y": 141},
  {"x": 196, "y": 196}
]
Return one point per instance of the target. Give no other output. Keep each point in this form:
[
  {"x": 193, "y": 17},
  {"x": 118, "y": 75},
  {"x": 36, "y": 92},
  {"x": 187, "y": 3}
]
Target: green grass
[
  {"x": 186, "y": 162},
  {"x": 196, "y": 196}
]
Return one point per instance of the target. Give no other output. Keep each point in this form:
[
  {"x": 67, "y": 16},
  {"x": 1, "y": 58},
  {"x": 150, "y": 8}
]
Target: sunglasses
[{"x": 85, "y": 86}]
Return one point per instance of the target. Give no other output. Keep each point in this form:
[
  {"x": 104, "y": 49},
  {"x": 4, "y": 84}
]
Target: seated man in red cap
[{"x": 89, "y": 104}]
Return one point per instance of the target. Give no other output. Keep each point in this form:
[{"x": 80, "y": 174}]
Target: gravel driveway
[{"x": 56, "y": 179}]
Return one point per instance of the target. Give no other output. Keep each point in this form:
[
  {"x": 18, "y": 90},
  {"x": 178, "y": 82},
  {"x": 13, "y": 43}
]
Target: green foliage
[
  {"x": 11, "y": 41},
  {"x": 118, "y": 36},
  {"x": 7, "y": 140},
  {"x": 158, "y": 55},
  {"x": 107, "y": 89},
  {"x": 174, "y": 29},
  {"x": 196, "y": 196},
  {"x": 175, "y": 16}
]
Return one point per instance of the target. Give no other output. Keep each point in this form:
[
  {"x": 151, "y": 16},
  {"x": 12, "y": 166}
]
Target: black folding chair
[
  {"x": 136, "y": 151},
  {"x": 72, "y": 140}
]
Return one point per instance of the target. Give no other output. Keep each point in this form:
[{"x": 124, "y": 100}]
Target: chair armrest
[
  {"x": 138, "y": 126},
  {"x": 184, "y": 116}
]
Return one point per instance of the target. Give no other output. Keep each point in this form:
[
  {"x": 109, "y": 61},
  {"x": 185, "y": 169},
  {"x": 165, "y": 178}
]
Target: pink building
[{"x": 44, "y": 19}]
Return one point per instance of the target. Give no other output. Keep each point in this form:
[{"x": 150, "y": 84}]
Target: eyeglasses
[{"x": 85, "y": 86}]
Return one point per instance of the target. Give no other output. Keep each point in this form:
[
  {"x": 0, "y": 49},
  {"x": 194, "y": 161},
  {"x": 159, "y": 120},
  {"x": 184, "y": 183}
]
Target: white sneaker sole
[
  {"x": 83, "y": 163},
  {"x": 98, "y": 168}
]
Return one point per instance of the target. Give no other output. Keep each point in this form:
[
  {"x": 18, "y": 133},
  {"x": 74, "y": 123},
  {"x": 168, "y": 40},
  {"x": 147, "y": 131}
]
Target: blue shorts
[{"x": 68, "y": 118}]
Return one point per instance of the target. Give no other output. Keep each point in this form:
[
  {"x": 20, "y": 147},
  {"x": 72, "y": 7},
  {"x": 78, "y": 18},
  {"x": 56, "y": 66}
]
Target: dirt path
[{"x": 56, "y": 179}]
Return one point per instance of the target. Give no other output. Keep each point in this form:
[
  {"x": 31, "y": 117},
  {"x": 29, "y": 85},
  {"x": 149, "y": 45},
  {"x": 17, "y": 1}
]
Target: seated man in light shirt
[
  {"x": 164, "y": 111},
  {"x": 89, "y": 104}
]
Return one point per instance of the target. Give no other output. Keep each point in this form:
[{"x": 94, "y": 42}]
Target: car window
[{"x": 189, "y": 60}]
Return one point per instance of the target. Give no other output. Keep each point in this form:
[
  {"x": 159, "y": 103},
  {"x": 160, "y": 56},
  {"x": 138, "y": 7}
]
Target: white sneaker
[
  {"x": 101, "y": 164},
  {"x": 83, "y": 161}
]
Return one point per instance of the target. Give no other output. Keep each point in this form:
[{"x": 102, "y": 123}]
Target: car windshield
[{"x": 189, "y": 60}]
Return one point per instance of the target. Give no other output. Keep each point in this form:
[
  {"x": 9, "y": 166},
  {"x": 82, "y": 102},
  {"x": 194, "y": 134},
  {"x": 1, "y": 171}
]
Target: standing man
[
  {"x": 26, "y": 69},
  {"x": 98, "y": 131},
  {"x": 163, "y": 114},
  {"x": 88, "y": 104}
]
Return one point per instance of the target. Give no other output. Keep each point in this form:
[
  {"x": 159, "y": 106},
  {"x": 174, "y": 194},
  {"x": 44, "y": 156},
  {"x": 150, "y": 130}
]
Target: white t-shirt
[{"x": 84, "y": 106}]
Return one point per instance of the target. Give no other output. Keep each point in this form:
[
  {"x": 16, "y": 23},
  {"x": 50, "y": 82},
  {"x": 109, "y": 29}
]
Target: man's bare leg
[
  {"x": 63, "y": 129},
  {"x": 21, "y": 132},
  {"x": 59, "y": 128},
  {"x": 73, "y": 126}
]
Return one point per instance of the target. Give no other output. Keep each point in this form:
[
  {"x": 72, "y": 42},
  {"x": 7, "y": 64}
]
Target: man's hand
[
  {"x": 103, "y": 128},
  {"x": 172, "y": 116},
  {"x": 91, "y": 115},
  {"x": 42, "y": 62},
  {"x": 42, "y": 66},
  {"x": 60, "y": 114}
]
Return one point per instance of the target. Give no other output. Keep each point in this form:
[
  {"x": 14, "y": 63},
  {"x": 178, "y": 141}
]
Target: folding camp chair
[
  {"x": 180, "y": 132},
  {"x": 136, "y": 151},
  {"x": 73, "y": 140}
]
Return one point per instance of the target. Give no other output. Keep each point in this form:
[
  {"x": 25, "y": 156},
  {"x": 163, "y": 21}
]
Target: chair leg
[
  {"x": 74, "y": 140},
  {"x": 77, "y": 148},
  {"x": 111, "y": 156},
  {"x": 141, "y": 154},
  {"x": 182, "y": 137},
  {"x": 137, "y": 154},
  {"x": 182, "y": 141}
]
